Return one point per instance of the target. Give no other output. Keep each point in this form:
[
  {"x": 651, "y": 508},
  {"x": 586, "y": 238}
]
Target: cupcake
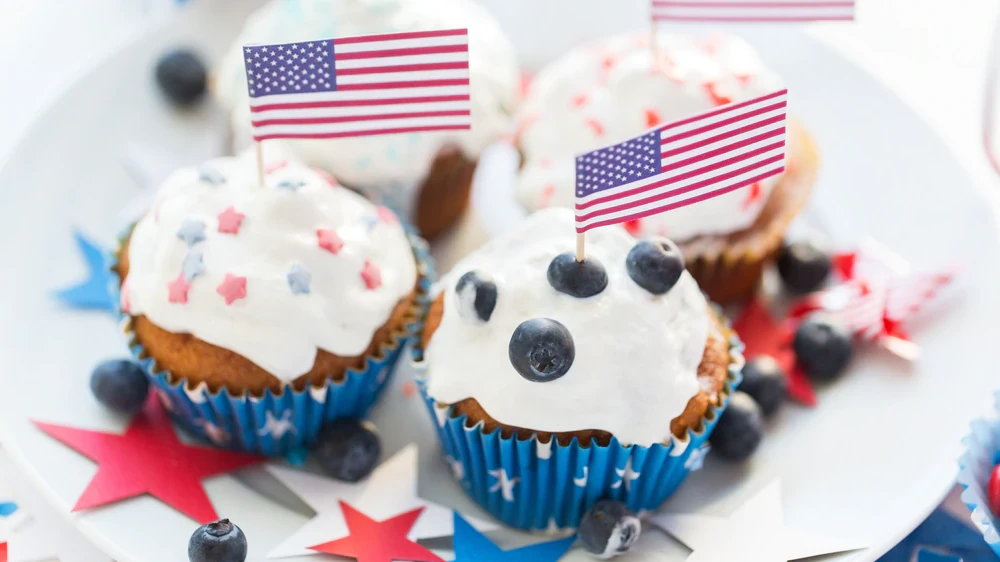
[
  {"x": 615, "y": 89},
  {"x": 427, "y": 176},
  {"x": 554, "y": 384},
  {"x": 261, "y": 313}
]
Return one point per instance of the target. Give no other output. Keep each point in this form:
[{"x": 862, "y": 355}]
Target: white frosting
[
  {"x": 637, "y": 354},
  {"x": 277, "y": 325},
  {"x": 610, "y": 91},
  {"x": 389, "y": 165}
]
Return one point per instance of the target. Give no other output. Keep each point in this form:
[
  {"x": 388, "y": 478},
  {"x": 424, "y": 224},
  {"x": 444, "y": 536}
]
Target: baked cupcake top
[
  {"x": 272, "y": 273},
  {"x": 379, "y": 160},
  {"x": 623, "y": 360},
  {"x": 614, "y": 89}
]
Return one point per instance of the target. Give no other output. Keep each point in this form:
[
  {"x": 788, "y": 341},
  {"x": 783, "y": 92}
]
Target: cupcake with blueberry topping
[
  {"x": 617, "y": 88},
  {"x": 262, "y": 312},
  {"x": 427, "y": 176},
  {"x": 556, "y": 383}
]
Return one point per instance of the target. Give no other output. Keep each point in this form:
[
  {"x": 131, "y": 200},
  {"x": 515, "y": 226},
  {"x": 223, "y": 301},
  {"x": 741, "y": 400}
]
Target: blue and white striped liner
[
  {"x": 276, "y": 424},
  {"x": 532, "y": 485},
  {"x": 982, "y": 453}
]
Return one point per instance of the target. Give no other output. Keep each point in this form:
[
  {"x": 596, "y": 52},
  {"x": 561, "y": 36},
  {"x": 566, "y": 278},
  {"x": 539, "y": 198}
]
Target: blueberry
[
  {"x": 580, "y": 279},
  {"x": 822, "y": 348},
  {"x": 182, "y": 76},
  {"x": 477, "y": 296},
  {"x": 609, "y": 528},
  {"x": 655, "y": 265},
  {"x": 541, "y": 349},
  {"x": 348, "y": 449},
  {"x": 221, "y": 541},
  {"x": 804, "y": 265},
  {"x": 120, "y": 385},
  {"x": 739, "y": 430},
  {"x": 765, "y": 382}
]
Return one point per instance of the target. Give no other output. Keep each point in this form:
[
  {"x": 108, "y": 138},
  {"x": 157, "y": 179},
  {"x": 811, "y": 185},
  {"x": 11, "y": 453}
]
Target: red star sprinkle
[
  {"x": 633, "y": 227},
  {"x": 596, "y": 126},
  {"x": 232, "y": 288},
  {"x": 386, "y": 215},
  {"x": 608, "y": 62},
  {"x": 378, "y": 541},
  {"x": 329, "y": 240},
  {"x": 124, "y": 301},
  {"x": 745, "y": 79},
  {"x": 579, "y": 100},
  {"x": 547, "y": 192},
  {"x": 230, "y": 221},
  {"x": 717, "y": 98},
  {"x": 275, "y": 166},
  {"x": 371, "y": 275},
  {"x": 329, "y": 179},
  {"x": 149, "y": 459},
  {"x": 762, "y": 335},
  {"x": 652, "y": 118},
  {"x": 177, "y": 290},
  {"x": 754, "y": 195}
]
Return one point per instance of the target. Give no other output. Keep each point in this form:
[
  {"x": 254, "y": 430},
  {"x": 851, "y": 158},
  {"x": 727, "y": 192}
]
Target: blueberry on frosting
[
  {"x": 580, "y": 279},
  {"x": 477, "y": 296},
  {"x": 655, "y": 265},
  {"x": 541, "y": 349}
]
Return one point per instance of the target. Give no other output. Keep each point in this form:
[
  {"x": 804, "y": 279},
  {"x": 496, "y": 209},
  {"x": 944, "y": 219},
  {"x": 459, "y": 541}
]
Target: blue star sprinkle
[
  {"x": 472, "y": 546},
  {"x": 94, "y": 293},
  {"x": 211, "y": 176},
  {"x": 369, "y": 221},
  {"x": 7, "y": 508},
  {"x": 194, "y": 264},
  {"x": 299, "y": 279},
  {"x": 290, "y": 185},
  {"x": 192, "y": 231}
]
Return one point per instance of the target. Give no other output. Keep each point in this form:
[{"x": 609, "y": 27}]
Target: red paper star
[
  {"x": 378, "y": 541},
  {"x": 232, "y": 288},
  {"x": 329, "y": 240},
  {"x": 230, "y": 220},
  {"x": 762, "y": 335},
  {"x": 3, "y": 552},
  {"x": 371, "y": 275},
  {"x": 149, "y": 459},
  {"x": 177, "y": 290}
]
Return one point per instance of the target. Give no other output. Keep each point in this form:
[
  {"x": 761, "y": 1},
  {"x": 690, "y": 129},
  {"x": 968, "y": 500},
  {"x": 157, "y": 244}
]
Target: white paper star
[
  {"x": 504, "y": 484},
  {"x": 755, "y": 532},
  {"x": 390, "y": 490}
]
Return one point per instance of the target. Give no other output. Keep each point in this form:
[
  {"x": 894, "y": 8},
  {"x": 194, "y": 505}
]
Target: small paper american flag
[
  {"x": 682, "y": 163},
  {"x": 360, "y": 86},
  {"x": 753, "y": 10}
]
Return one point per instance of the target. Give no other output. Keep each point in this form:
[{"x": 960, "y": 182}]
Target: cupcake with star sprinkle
[
  {"x": 427, "y": 175},
  {"x": 616, "y": 88},
  {"x": 263, "y": 312},
  {"x": 555, "y": 383}
]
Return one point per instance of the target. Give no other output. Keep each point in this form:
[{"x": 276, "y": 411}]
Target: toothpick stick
[
  {"x": 579, "y": 247},
  {"x": 260, "y": 163}
]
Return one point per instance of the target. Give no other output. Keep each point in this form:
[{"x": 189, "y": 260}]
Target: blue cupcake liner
[
  {"x": 532, "y": 485},
  {"x": 276, "y": 424},
  {"x": 982, "y": 453}
]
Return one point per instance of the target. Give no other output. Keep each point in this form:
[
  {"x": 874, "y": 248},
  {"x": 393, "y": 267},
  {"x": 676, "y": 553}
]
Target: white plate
[{"x": 868, "y": 464}]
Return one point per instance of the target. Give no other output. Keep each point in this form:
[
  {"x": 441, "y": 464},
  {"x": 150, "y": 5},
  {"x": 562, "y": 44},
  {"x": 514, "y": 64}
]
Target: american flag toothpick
[
  {"x": 359, "y": 86},
  {"x": 681, "y": 163},
  {"x": 752, "y": 11}
]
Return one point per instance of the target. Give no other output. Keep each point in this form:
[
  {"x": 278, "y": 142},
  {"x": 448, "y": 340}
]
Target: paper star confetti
[
  {"x": 755, "y": 532},
  {"x": 391, "y": 489},
  {"x": 378, "y": 541},
  {"x": 763, "y": 335},
  {"x": 149, "y": 459},
  {"x": 472, "y": 546},
  {"x": 92, "y": 293}
]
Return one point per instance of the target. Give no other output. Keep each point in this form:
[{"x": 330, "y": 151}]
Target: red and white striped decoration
[{"x": 752, "y": 11}]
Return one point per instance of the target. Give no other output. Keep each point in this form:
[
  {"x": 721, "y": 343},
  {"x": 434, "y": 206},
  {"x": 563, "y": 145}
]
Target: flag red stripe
[
  {"x": 723, "y": 136},
  {"x": 402, "y": 52},
  {"x": 679, "y": 191},
  {"x": 682, "y": 4},
  {"x": 398, "y": 36},
  {"x": 722, "y": 110},
  {"x": 679, "y": 204},
  {"x": 725, "y": 123},
  {"x": 722, "y": 150},
  {"x": 412, "y": 84},
  {"x": 737, "y": 19},
  {"x": 359, "y": 103},
  {"x": 460, "y": 65},
  {"x": 350, "y": 118},
  {"x": 363, "y": 133}
]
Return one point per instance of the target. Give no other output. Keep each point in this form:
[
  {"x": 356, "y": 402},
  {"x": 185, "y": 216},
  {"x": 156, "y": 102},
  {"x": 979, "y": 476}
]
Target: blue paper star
[
  {"x": 299, "y": 279},
  {"x": 291, "y": 185},
  {"x": 938, "y": 536},
  {"x": 472, "y": 546},
  {"x": 93, "y": 293},
  {"x": 192, "y": 231},
  {"x": 211, "y": 176},
  {"x": 194, "y": 264},
  {"x": 6, "y": 508}
]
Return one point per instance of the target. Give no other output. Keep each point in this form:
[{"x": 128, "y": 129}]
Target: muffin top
[
  {"x": 272, "y": 273},
  {"x": 609, "y": 91},
  {"x": 624, "y": 360},
  {"x": 403, "y": 160}
]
